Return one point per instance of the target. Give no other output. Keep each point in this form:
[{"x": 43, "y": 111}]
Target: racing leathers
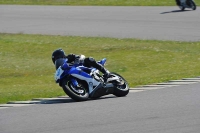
[{"x": 88, "y": 62}]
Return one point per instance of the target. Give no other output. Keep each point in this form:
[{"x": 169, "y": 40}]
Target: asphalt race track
[
  {"x": 162, "y": 23},
  {"x": 172, "y": 109},
  {"x": 168, "y": 110}
]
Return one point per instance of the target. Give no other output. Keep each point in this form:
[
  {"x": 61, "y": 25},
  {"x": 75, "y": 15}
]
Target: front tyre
[
  {"x": 79, "y": 93},
  {"x": 121, "y": 87},
  {"x": 182, "y": 8}
]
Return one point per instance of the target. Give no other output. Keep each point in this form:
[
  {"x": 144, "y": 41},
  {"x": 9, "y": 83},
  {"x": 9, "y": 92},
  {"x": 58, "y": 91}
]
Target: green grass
[
  {"x": 27, "y": 70},
  {"x": 95, "y": 2}
]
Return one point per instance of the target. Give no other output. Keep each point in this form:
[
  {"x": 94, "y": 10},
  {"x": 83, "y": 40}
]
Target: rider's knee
[{"x": 91, "y": 59}]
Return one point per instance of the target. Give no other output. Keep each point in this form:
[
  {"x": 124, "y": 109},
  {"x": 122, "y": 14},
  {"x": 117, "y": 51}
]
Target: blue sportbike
[{"x": 82, "y": 83}]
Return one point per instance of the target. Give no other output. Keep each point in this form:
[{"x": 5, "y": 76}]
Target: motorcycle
[
  {"x": 82, "y": 83},
  {"x": 186, "y": 4}
]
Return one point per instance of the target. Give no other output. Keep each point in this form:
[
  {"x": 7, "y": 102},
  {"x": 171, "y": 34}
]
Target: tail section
[{"x": 102, "y": 62}]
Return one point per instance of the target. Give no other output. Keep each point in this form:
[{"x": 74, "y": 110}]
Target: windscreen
[{"x": 59, "y": 62}]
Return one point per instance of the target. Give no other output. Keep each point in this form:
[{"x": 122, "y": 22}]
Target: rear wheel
[
  {"x": 193, "y": 5},
  {"x": 79, "y": 93},
  {"x": 121, "y": 87}
]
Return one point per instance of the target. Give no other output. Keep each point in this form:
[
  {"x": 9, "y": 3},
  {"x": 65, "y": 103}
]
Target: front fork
[
  {"x": 74, "y": 82},
  {"x": 76, "y": 86}
]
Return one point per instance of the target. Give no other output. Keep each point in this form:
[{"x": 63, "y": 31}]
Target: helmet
[{"x": 57, "y": 54}]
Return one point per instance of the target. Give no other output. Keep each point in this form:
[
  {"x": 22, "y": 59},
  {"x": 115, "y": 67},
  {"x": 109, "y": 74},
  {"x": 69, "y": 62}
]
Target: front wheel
[
  {"x": 79, "y": 93},
  {"x": 182, "y": 7},
  {"x": 121, "y": 87}
]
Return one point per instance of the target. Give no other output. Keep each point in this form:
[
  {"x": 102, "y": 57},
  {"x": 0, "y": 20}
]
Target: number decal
[{"x": 58, "y": 73}]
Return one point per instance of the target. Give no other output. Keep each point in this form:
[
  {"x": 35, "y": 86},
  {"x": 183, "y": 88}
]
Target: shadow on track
[
  {"x": 69, "y": 100},
  {"x": 175, "y": 11}
]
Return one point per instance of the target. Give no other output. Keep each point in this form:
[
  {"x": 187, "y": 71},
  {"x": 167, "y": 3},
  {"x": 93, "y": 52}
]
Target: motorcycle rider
[
  {"x": 87, "y": 62},
  {"x": 179, "y": 2}
]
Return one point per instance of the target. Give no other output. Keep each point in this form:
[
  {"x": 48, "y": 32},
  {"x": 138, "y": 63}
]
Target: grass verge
[{"x": 27, "y": 70}]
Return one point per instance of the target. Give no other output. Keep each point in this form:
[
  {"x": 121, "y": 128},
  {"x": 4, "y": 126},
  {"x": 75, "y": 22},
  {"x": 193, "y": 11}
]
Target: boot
[
  {"x": 106, "y": 75},
  {"x": 102, "y": 69}
]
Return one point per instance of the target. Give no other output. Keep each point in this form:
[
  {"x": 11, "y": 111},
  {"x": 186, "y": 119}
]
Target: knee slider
[{"x": 91, "y": 59}]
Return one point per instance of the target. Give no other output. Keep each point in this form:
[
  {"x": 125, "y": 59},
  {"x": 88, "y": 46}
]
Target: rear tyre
[
  {"x": 121, "y": 88},
  {"x": 76, "y": 93},
  {"x": 193, "y": 5}
]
